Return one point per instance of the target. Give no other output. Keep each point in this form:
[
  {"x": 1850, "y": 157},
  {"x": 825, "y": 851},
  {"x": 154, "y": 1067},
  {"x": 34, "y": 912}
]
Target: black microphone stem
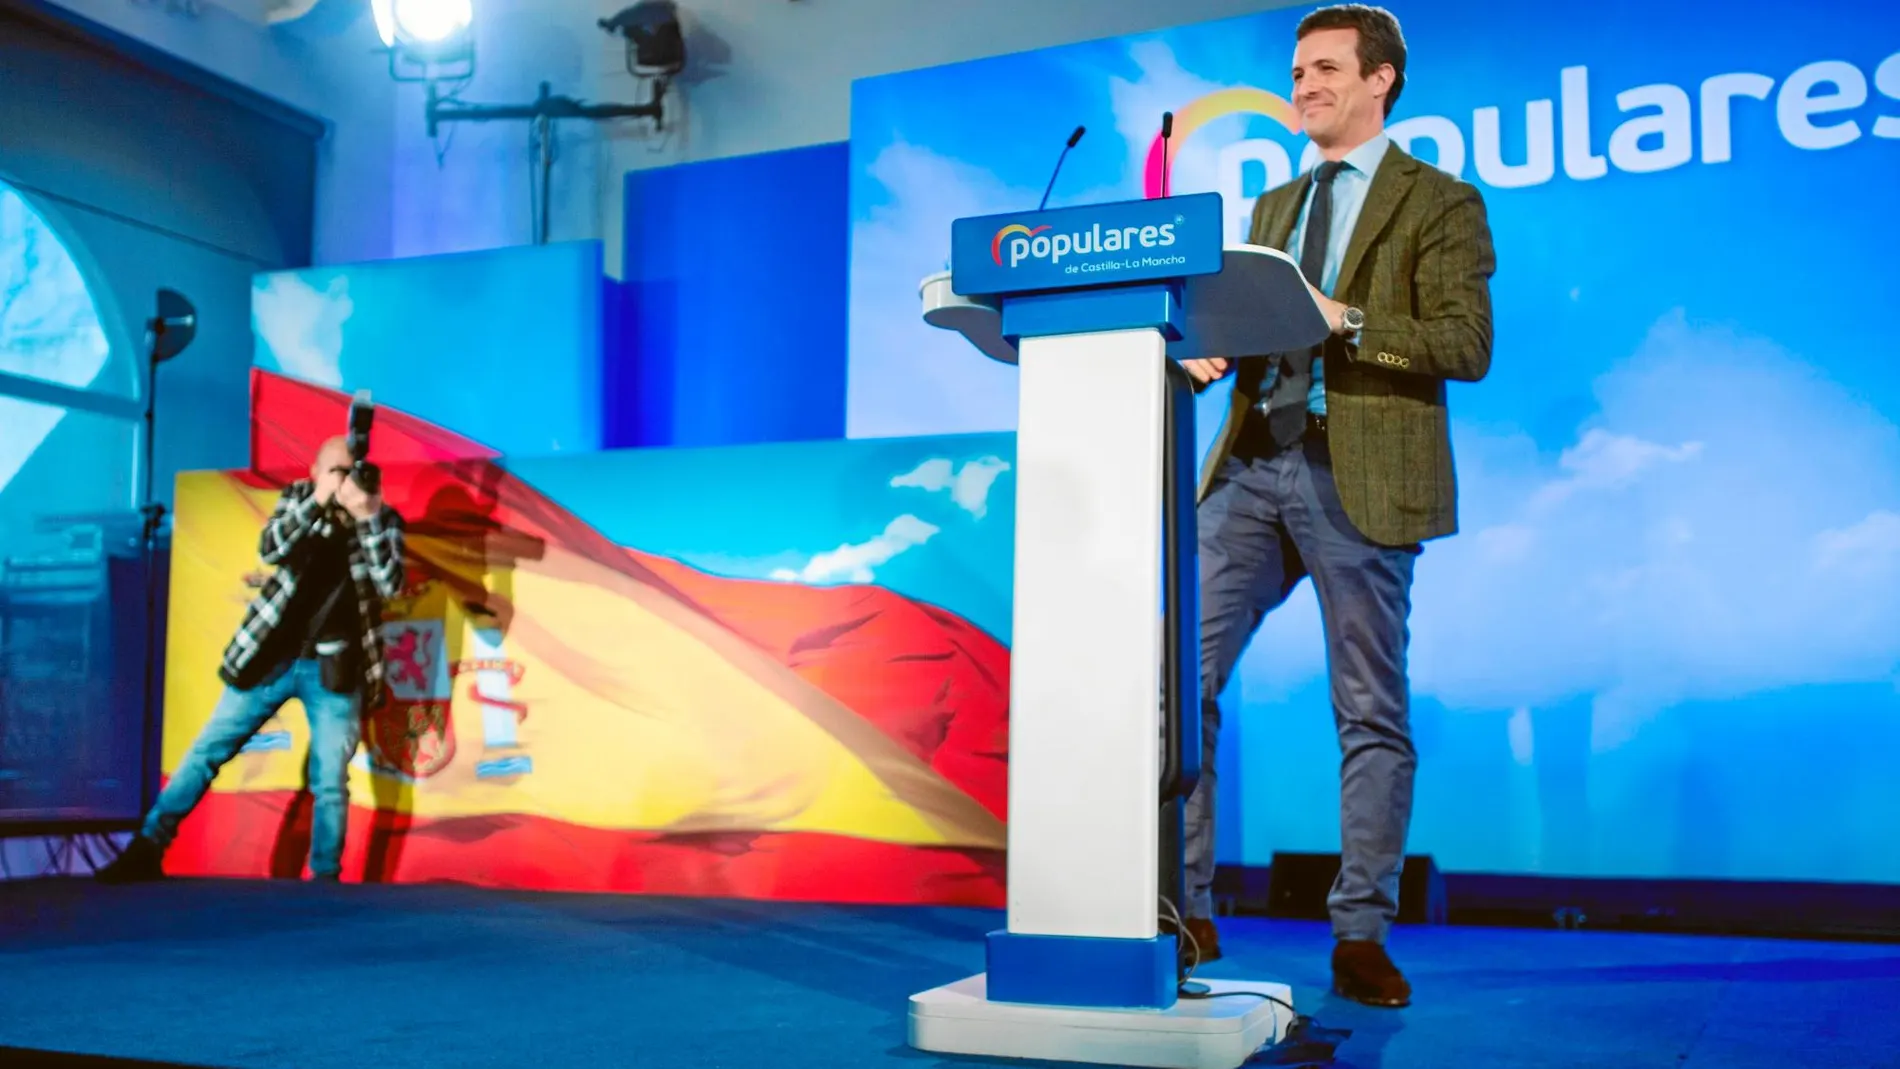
[
  {"x": 1052, "y": 178},
  {"x": 1167, "y": 164},
  {"x": 1073, "y": 138}
]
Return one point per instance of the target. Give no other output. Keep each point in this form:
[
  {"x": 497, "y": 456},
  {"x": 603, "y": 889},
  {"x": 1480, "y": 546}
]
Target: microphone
[
  {"x": 1167, "y": 165},
  {"x": 1073, "y": 138}
]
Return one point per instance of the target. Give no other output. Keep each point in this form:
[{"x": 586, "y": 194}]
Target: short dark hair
[{"x": 1380, "y": 41}]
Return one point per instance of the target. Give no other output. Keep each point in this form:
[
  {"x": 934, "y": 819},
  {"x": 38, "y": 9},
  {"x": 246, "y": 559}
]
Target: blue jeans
[
  {"x": 334, "y": 731},
  {"x": 1266, "y": 524}
]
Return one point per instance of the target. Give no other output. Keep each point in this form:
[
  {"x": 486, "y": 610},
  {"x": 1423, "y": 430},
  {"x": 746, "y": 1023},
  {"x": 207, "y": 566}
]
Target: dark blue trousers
[{"x": 1266, "y": 524}]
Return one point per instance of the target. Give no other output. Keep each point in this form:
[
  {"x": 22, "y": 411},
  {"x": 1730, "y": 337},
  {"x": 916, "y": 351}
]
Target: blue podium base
[{"x": 1057, "y": 970}]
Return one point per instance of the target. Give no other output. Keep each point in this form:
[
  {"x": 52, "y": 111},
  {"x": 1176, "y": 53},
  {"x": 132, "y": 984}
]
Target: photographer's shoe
[{"x": 140, "y": 861}]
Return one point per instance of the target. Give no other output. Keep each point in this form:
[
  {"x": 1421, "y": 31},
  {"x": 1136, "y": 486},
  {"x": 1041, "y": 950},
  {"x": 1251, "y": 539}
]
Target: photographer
[{"x": 312, "y": 632}]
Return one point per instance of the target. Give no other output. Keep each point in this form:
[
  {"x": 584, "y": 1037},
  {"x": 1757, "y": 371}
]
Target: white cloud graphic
[
  {"x": 302, "y": 326},
  {"x": 906, "y": 377},
  {"x": 854, "y": 563},
  {"x": 1872, "y": 545},
  {"x": 1722, "y": 526},
  {"x": 1602, "y": 461},
  {"x": 969, "y": 484}
]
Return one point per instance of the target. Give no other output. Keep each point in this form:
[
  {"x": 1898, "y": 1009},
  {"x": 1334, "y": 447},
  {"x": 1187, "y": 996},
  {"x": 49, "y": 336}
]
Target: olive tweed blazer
[{"x": 1419, "y": 265}]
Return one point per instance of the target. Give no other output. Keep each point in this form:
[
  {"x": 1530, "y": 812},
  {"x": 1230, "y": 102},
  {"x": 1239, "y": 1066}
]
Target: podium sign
[{"x": 1091, "y": 245}]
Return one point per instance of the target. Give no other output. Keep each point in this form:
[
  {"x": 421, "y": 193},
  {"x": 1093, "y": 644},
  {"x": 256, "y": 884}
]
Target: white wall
[{"x": 769, "y": 74}]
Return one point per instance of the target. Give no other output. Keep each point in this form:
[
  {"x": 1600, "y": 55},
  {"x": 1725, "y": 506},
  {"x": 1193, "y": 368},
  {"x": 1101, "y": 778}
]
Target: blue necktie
[{"x": 1286, "y": 404}]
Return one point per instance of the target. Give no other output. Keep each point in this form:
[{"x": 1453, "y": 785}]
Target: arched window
[{"x": 69, "y": 404}]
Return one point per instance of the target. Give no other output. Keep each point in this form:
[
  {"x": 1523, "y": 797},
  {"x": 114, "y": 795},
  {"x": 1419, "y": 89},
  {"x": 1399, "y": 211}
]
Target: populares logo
[
  {"x": 1216, "y": 105},
  {"x": 996, "y": 244},
  {"x": 1821, "y": 106},
  {"x": 1023, "y": 243}
]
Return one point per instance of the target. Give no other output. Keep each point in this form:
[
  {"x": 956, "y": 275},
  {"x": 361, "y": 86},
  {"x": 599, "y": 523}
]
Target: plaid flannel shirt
[{"x": 376, "y": 571}]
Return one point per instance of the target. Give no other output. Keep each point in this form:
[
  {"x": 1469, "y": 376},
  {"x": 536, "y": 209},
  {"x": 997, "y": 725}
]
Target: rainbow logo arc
[
  {"x": 1215, "y": 105},
  {"x": 996, "y": 243}
]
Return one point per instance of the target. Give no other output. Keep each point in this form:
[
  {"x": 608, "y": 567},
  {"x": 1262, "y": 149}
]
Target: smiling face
[{"x": 1340, "y": 107}]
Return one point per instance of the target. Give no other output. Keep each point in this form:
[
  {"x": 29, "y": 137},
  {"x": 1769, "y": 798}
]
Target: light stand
[
  {"x": 168, "y": 333},
  {"x": 544, "y": 112},
  {"x": 656, "y": 52}
]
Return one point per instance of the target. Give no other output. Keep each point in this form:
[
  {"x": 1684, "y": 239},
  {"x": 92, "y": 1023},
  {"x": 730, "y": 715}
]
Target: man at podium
[{"x": 1335, "y": 463}]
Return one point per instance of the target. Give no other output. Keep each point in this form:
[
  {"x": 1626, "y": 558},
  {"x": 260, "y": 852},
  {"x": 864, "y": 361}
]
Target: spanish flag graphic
[{"x": 571, "y": 714}]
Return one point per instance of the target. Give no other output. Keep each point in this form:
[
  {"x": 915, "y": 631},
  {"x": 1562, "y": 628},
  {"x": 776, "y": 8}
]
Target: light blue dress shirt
[{"x": 1349, "y": 195}]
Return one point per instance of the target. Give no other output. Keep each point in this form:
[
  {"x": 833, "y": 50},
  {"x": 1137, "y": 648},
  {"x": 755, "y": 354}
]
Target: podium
[{"x": 1094, "y": 305}]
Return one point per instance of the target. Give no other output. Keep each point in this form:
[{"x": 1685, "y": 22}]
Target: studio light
[
  {"x": 427, "y": 39},
  {"x": 656, "y": 46},
  {"x": 433, "y": 21},
  {"x": 385, "y": 13}
]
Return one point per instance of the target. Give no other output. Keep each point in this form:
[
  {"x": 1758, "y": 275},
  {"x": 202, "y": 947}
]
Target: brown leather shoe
[
  {"x": 1362, "y": 972},
  {"x": 1205, "y": 940}
]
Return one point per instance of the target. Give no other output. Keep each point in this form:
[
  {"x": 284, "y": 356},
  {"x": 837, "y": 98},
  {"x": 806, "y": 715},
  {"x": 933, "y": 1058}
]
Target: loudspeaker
[{"x": 1297, "y": 886}]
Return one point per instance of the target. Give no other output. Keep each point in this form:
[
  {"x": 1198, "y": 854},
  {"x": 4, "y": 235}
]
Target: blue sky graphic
[
  {"x": 1678, "y": 574},
  {"x": 931, "y": 518},
  {"x": 518, "y": 330}
]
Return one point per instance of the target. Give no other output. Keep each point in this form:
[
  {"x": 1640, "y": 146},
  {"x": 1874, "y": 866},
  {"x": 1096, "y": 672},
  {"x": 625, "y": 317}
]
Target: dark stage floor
[{"x": 293, "y": 975}]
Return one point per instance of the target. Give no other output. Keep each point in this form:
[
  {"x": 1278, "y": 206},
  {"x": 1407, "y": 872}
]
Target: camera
[{"x": 362, "y": 415}]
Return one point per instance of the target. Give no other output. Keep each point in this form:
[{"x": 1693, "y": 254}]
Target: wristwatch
[{"x": 1352, "y": 319}]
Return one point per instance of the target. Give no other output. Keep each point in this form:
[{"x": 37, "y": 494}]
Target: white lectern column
[{"x": 1085, "y": 700}]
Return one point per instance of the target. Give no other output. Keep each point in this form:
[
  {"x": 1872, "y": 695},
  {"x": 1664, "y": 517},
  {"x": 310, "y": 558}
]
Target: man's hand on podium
[{"x": 1208, "y": 369}]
